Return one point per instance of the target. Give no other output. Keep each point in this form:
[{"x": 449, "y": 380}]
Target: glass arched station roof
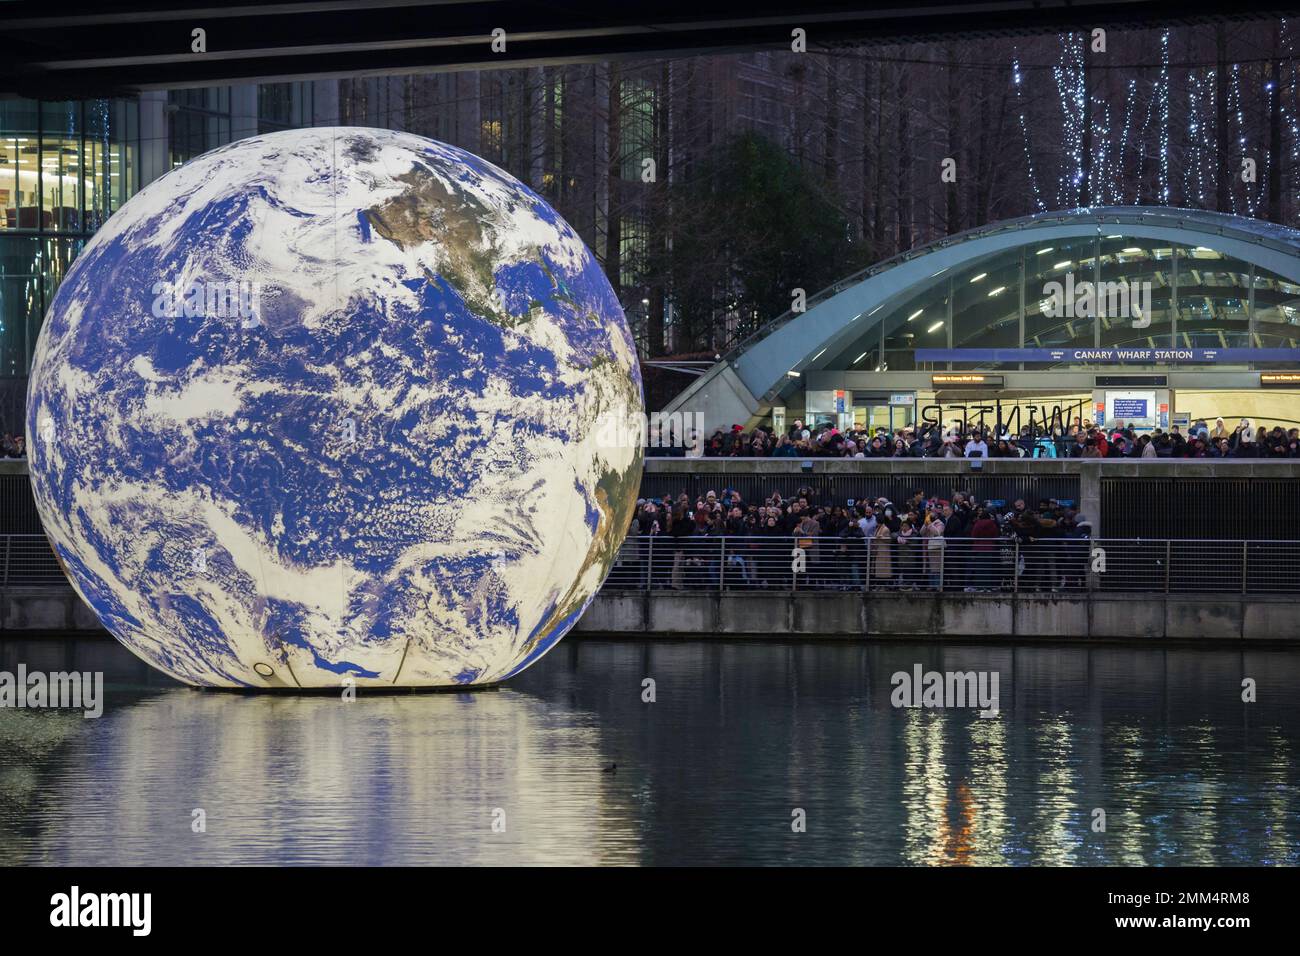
[{"x": 1175, "y": 286}]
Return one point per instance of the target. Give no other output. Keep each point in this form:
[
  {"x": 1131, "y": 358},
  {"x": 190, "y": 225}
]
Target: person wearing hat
[{"x": 1074, "y": 566}]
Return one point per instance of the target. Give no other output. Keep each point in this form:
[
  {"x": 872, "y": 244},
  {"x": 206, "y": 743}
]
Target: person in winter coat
[
  {"x": 984, "y": 552},
  {"x": 932, "y": 535},
  {"x": 882, "y": 561},
  {"x": 909, "y": 555}
]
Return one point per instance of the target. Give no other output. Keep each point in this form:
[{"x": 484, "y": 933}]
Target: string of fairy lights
[
  {"x": 1293, "y": 124},
  {"x": 1122, "y": 143},
  {"x": 1016, "y": 79}
]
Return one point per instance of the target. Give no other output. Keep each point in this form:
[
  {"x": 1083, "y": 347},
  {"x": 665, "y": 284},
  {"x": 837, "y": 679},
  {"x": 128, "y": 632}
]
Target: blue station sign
[{"x": 1145, "y": 356}]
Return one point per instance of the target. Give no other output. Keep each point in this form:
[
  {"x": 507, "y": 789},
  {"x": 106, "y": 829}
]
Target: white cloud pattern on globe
[{"x": 327, "y": 404}]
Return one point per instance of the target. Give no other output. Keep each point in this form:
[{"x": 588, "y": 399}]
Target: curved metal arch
[{"x": 755, "y": 370}]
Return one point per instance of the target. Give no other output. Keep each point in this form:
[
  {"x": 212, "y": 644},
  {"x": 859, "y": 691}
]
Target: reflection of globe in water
[{"x": 329, "y": 403}]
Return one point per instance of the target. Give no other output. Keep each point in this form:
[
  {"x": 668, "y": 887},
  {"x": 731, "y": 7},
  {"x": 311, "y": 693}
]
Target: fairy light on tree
[
  {"x": 1194, "y": 170},
  {"x": 1162, "y": 93},
  {"x": 1129, "y": 100},
  {"x": 1071, "y": 88},
  {"x": 1102, "y": 177},
  {"x": 1249, "y": 189},
  {"x": 1016, "y": 78}
]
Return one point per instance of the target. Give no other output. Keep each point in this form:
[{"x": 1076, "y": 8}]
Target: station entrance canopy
[{"x": 1047, "y": 300}]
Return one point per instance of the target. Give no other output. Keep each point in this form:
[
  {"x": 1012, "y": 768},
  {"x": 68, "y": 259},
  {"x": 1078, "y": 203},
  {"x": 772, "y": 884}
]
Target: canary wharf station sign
[{"x": 1145, "y": 356}]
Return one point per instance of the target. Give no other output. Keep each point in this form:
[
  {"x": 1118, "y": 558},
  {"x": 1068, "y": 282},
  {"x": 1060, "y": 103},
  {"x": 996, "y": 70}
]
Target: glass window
[
  {"x": 1134, "y": 300},
  {"x": 61, "y": 166},
  {"x": 10, "y": 182},
  {"x": 637, "y": 101},
  {"x": 101, "y": 155},
  {"x": 1056, "y": 308},
  {"x": 919, "y": 322},
  {"x": 863, "y": 353},
  {"x": 123, "y": 172},
  {"x": 198, "y": 120},
  {"x": 21, "y": 301},
  {"x": 283, "y": 106},
  {"x": 1213, "y": 299},
  {"x": 986, "y": 306},
  {"x": 23, "y": 207},
  {"x": 1277, "y": 305},
  {"x": 64, "y": 167}
]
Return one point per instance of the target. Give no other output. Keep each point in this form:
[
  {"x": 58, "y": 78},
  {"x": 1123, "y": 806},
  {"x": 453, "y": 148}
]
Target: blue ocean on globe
[{"x": 333, "y": 404}]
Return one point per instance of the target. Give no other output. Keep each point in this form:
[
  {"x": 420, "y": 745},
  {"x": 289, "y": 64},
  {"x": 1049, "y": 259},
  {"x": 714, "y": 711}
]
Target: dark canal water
[{"x": 740, "y": 736}]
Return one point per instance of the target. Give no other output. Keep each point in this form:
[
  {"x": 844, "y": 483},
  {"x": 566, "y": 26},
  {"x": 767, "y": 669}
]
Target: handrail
[
  {"x": 30, "y": 562},
  {"x": 1009, "y": 564},
  {"x": 1015, "y": 563}
]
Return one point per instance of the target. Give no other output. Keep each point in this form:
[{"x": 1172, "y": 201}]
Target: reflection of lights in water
[
  {"x": 1126, "y": 824},
  {"x": 960, "y": 846},
  {"x": 925, "y": 787},
  {"x": 951, "y": 819},
  {"x": 1203, "y": 790},
  {"x": 743, "y": 733},
  {"x": 1058, "y": 819},
  {"x": 310, "y": 779},
  {"x": 988, "y": 786},
  {"x": 1275, "y": 789}
]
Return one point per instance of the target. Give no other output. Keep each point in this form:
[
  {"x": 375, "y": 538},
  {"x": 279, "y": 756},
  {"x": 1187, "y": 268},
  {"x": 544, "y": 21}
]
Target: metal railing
[
  {"x": 29, "y": 562},
  {"x": 1008, "y": 565}
]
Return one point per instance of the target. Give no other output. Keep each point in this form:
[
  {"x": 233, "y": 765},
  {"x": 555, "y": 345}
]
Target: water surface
[{"x": 740, "y": 736}]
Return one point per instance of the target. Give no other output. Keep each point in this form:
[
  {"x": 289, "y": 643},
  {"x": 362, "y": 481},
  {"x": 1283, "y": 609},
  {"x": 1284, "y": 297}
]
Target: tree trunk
[
  {"x": 878, "y": 175},
  {"x": 830, "y": 154},
  {"x": 1223, "y": 179},
  {"x": 1085, "y": 182},
  {"x": 865, "y": 113},
  {"x": 904, "y": 184},
  {"x": 1275, "y": 152},
  {"x": 953, "y": 210},
  {"x": 613, "y": 177},
  {"x": 662, "y": 217}
]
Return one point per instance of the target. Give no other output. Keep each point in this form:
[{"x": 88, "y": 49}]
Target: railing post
[
  {"x": 1015, "y": 569},
  {"x": 943, "y": 560},
  {"x": 722, "y": 563},
  {"x": 871, "y": 543},
  {"x": 1245, "y": 560},
  {"x": 9, "y": 543},
  {"x": 1169, "y": 556},
  {"x": 650, "y": 563}
]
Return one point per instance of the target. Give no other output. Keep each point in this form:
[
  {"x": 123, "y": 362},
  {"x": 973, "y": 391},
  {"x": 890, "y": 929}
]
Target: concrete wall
[
  {"x": 987, "y": 617},
  {"x": 45, "y": 609}
]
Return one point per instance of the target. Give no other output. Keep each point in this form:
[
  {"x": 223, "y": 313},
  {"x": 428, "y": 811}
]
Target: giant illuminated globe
[{"x": 335, "y": 404}]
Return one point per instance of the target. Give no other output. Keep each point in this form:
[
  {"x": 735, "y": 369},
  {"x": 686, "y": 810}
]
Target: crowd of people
[
  {"x": 1080, "y": 439},
  {"x": 13, "y": 446},
  {"x": 923, "y": 543}
]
